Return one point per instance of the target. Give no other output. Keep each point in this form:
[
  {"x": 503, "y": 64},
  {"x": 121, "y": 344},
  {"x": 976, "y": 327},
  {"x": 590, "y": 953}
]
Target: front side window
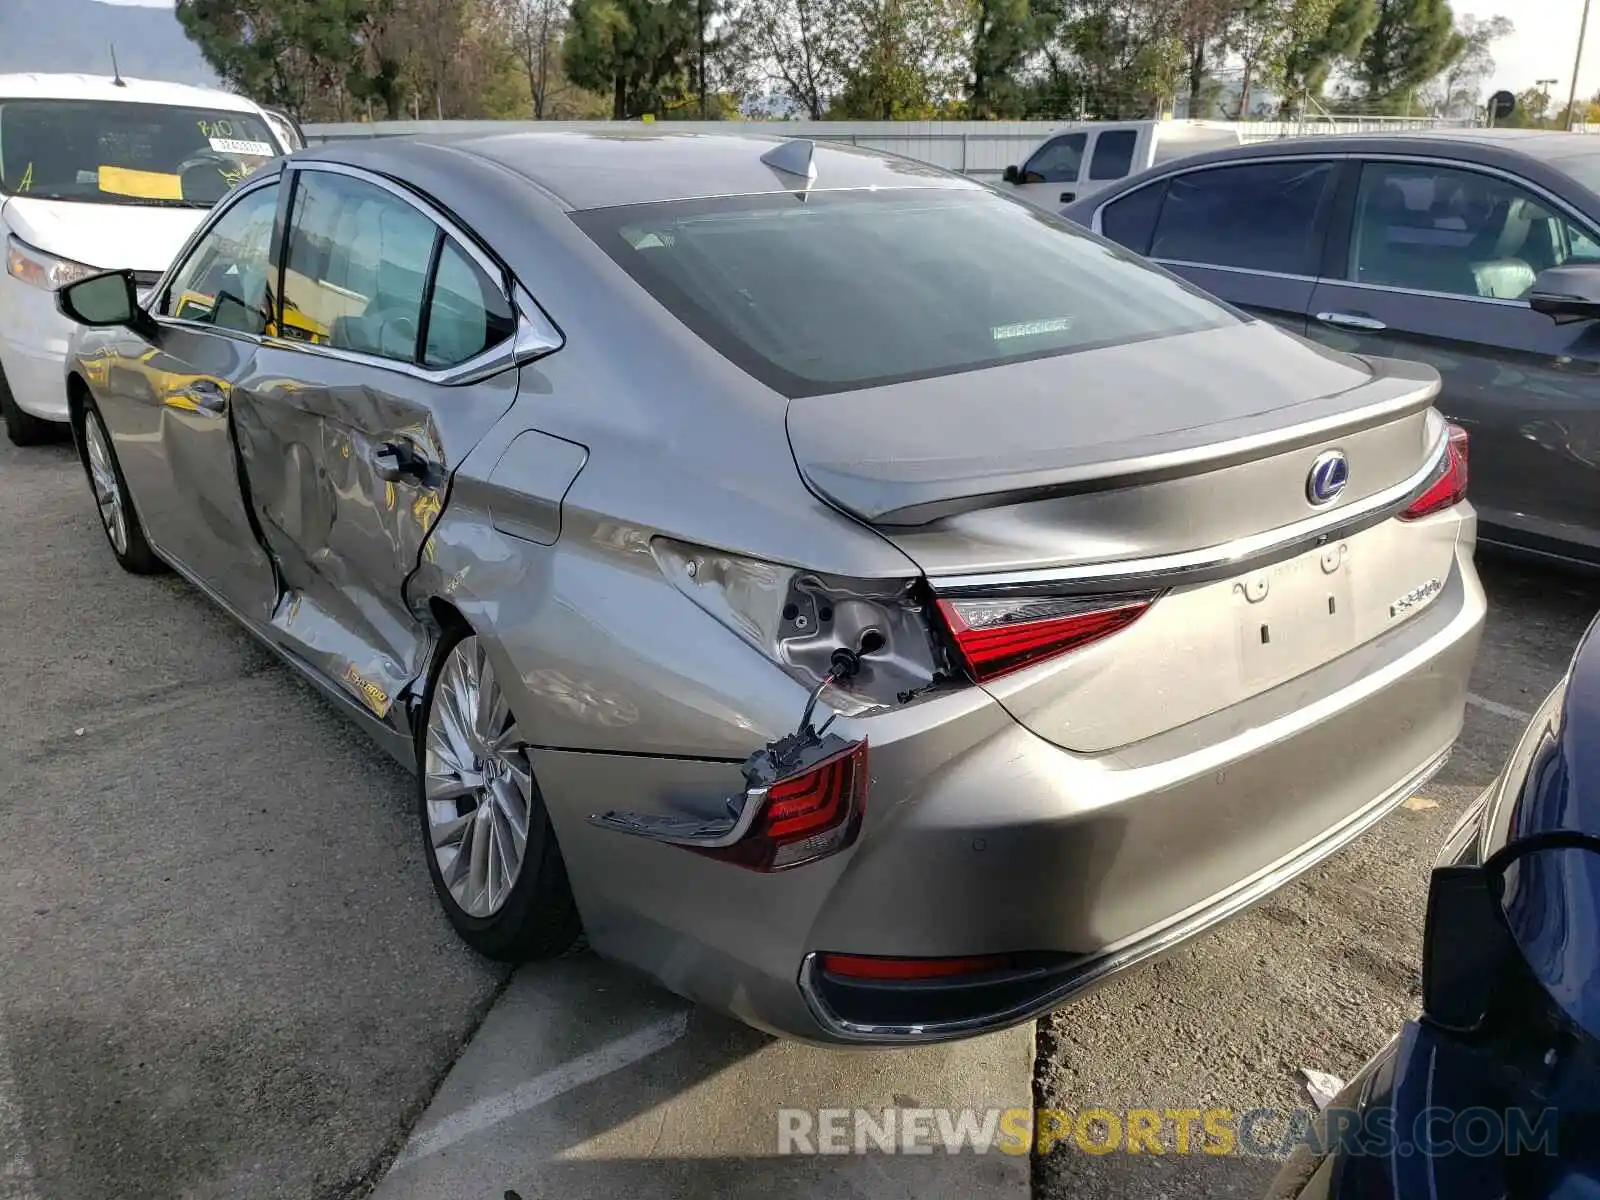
[
  {"x": 1113, "y": 154},
  {"x": 227, "y": 279},
  {"x": 111, "y": 152},
  {"x": 1428, "y": 228},
  {"x": 1254, "y": 216},
  {"x": 356, "y": 267},
  {"x": 1057, "y": 161},
  {"x": 840, "y": 290}
]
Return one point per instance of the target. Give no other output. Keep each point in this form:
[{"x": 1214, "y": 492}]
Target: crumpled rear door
[{"x": 316, "y": 442}]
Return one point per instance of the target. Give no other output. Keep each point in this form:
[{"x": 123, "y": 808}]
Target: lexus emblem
[{"x": 1328, "y": 476}]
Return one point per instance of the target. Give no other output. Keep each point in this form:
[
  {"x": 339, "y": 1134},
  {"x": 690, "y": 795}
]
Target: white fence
[{"x": 981, "y": 148}]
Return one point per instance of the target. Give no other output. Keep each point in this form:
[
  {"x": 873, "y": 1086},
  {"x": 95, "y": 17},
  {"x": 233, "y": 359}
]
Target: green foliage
[
  {"x": 1412, "y": 42},
  {"x": 1005, "y": 35},
  {"x": 637, "y": 51},
  {"x": 1308, "y": 61},
  {"x": 905, "y": 62},
  {"x": 863, "y": 59}
]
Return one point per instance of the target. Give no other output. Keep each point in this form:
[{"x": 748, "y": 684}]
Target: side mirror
[
  {"x": 1011, "y": 175},
  {"x": 111, "y": 298},
  {"x": 1567, "y": 294}
]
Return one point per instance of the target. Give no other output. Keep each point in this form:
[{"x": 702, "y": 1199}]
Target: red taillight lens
[
  {"x": 861, "y": 966},
  {"x": 1451, "y": 487},
  {"x": 998, "y": 635},
  {"x": 805, "y": 817}
]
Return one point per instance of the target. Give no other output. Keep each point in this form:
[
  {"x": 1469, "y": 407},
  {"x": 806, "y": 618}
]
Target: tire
[
  {"x": 466, "y": 824},
  {"x": 24, "y": 429},
  {"x": 118, "y": 520}
]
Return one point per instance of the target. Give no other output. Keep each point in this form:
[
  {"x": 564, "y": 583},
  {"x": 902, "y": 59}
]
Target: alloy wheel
[
  {"x": 103, "y": 479},
  {"x": 477, "y": 783}
]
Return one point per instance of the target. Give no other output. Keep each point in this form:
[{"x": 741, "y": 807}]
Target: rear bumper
[
  {"x": 1053, "y": 987},
  {"x": 33, "y": 349},
  {"x": 982, "y": 838}
]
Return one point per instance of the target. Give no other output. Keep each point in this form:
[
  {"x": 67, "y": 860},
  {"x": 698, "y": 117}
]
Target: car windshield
[
  {"x": 849, "y": 289},
  {"x": 111, "y": 152}
]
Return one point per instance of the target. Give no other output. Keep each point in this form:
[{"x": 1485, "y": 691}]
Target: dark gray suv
[{"x": 1476, "y": 251}]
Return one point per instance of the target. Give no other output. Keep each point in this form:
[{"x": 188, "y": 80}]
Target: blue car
[{"x": 1495, "y": 1091}]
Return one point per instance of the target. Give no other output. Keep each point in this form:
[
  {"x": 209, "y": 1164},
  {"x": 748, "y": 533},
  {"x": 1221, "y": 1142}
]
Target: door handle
[
  {"x": 205, "y": 395},
  {"x": 1352, "y": 321},
  {"x": 394, "y": 461},
  {"x": 1068, "y": 197}
]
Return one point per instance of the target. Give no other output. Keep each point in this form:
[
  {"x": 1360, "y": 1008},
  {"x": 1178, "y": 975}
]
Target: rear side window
[
  {"x": 467, "y": 313},
  {"x": 1113, "y": 154},
  {"x": 1057, "y": 161},
  {"x": 1256, "y": 216},
  {"x": 1130, "y": 220},
  {"x": 840, "y": 290},
  {"x": 357, "y": 267}
]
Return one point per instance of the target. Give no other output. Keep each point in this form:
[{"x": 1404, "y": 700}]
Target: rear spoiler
[{"x": 1397, "y": 388}]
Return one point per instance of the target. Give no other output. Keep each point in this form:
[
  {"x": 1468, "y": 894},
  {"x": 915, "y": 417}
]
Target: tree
[
  {"x": 1127, "y": 53},
  {"x": 1413, "y": 41},
  {"x": 1267, "y": 34},
  {"x": 535, "y": 28},
  {"x": 800, "y": 41},
  {"x": 637, "y": 51},
  {"x": 1459, "y": 87},
  {"x": 286, "y": 53},
  {"x": 905, "y": 60},
  {"x": 1005, "y": 34},
  {"x": 1311, "y": 59},
  {"x": 1203, "y": 25}
]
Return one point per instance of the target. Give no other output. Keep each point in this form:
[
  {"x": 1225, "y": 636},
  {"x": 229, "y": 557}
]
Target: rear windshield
[
  {"x": 855, "y": 289},
  {"x": 111, "y": 152}
]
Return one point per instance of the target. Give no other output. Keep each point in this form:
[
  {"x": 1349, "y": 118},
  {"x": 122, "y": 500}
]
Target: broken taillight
[
  {"x": 998, "y": 635},
  {"x": 1451, "y": 486},
  {"x": 803, "y": 816}
]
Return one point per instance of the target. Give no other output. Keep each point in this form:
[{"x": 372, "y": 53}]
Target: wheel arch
[{"x": 77, "y": 404}]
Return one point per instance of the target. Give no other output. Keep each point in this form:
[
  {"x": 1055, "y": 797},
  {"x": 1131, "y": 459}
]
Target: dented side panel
[{"x": 311, "y": 436}]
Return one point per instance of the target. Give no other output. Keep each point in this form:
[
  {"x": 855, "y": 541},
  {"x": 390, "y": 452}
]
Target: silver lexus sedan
[{"x": 872, "y": 606}]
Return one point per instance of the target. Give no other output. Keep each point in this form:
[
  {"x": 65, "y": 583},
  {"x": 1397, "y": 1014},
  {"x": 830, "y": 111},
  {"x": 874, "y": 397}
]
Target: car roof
[
  {"x": 1489, "y": 145},
  {"x": 638, "y": 166},
  {"x": 39, "y": 86}
]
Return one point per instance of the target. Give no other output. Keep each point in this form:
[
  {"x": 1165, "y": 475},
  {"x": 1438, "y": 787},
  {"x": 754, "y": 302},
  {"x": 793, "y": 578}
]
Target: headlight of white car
[{"x": 43, "y": 270}]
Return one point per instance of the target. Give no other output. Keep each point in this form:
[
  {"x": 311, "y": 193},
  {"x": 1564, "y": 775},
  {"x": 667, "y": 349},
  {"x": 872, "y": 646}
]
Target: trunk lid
[{"x": 1176, "y": 468}]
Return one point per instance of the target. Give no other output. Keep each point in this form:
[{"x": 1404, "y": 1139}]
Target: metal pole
[{"x": 1572, "y": 94}]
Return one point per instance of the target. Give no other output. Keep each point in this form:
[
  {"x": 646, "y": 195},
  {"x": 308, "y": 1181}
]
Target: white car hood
[{"x": 109, "y": 236}]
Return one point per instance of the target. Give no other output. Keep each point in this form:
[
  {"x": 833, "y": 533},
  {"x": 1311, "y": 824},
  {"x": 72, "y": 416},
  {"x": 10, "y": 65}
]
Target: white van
[
  {"x": 100, "y": 174},
  {"x": 1081, "y": 159}
]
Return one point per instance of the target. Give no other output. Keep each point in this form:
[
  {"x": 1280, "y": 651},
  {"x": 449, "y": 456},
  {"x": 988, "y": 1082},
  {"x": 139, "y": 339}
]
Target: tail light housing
[
  {"x": 1451, "y": 486},
  {"x": 803, "y": 816},
  {"x": 996, "y": 635}
]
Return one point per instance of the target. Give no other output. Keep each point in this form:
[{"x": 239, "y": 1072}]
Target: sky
[{"x": 1542, "y": 47}]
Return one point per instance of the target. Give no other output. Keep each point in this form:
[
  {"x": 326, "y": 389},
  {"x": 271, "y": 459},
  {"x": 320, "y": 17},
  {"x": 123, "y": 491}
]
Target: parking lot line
[
  {"x": 1498, "y": 709},
  {"x": 541, "y": 1089}
]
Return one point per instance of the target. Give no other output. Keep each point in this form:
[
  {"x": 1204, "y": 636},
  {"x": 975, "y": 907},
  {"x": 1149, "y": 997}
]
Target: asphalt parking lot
[{"x": 226, "y": 975}]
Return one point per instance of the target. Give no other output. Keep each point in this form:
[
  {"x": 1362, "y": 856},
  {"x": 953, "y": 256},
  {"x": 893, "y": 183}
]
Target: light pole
[
  {"x": 1572, "y": 95},
  {"x": 1544, "y": 86}
]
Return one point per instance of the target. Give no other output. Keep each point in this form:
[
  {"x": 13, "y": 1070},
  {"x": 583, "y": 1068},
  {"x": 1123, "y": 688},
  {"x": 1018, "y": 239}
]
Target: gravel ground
[
  {"x": 225, "y": 971},
  {"x": 1322, "y": 974}
]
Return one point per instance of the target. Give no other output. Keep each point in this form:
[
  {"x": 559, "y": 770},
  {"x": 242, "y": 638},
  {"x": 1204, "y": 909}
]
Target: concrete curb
[{"x": 586, "y": 1080}]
